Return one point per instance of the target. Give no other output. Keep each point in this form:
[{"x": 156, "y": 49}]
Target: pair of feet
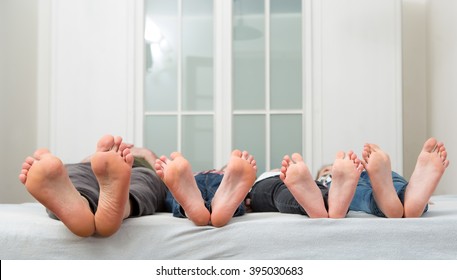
[
  {"x": 46, "y": 178},
  {"x": 346, "y": 169},
  {"x": 239, "y": 176},
  {"x": 297, "y": 177},
  {"x": 430, "y": 167}
]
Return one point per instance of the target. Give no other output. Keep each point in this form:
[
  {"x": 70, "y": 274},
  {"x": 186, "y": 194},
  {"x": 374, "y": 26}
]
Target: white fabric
[
  {"x": 26, "y": 232},
  {"x": 267, "y": 174}
]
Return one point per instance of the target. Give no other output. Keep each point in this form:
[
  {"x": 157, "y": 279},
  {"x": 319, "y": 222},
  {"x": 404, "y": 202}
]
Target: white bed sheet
[{"x": 26, "y": 232}]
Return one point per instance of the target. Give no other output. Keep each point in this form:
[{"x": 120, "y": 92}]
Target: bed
[{"x": 26, "y": 232}]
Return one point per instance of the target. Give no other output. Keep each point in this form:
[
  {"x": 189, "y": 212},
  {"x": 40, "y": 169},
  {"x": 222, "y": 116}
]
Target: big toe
[
  {"x": 175, "y": 155},
  {"x": 429, "y": 145},
  {"x": 237, "y": 153},
  {"x": 40, "y": 152},
  {"x": 297, "y": 157},
  {"x": 105, "y": 143},
  {"x": 340, "y": 155}
]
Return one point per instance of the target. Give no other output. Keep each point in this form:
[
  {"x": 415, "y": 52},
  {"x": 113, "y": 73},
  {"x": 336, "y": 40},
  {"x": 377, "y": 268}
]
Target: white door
[{"x": 298, "y": 76}]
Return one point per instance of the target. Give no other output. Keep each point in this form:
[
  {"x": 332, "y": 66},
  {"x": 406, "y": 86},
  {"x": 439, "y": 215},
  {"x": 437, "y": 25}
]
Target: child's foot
[
  {"x": 239, "y": 176},
  {"x": 46, "y": 178},
  {"x": 377, "y": 164},
  {"x": 346, "y": 170},
  {"x": 430, "y": 167},
  {"x": 298, "y": 179},
  {"x": 177, "y": 174},
  {"x": 112, "y": 165}
]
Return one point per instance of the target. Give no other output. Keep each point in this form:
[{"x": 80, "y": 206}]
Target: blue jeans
[
  {"x": 207, "y": 183},
  {"x": 363, "y": 198}
]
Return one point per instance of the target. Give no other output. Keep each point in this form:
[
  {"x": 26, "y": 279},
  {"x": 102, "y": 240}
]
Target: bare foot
[
  {"x": 46, "y": 178},
  {"x": 429, "y": 169},
  {"x": 112, "y": 165},
  {"x": 298, "y": 179},
  {"x": 177, "y": 175},
  {"x": 377, "y": 164},
  {"x": 239, "y": 176},
  {"x": 346, "y": 170}
]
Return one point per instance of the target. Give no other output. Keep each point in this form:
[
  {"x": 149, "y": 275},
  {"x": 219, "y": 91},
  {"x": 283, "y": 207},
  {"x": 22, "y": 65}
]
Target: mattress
[{"x": 26, "y": 232}]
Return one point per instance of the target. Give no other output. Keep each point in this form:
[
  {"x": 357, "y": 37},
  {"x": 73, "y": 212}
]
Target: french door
[{"x": 223, "y": 75}]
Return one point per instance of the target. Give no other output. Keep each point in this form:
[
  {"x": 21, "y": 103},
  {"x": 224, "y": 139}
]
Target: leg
[
  {"x": 363, "y": 197},
  {"x": 430, "y": 167},
  {"x": 177, "y": 176},
  {"x": 147, "y": 192},
  {"x": 46, "y": 178},
  {"x": 112, "y": 165},
  {"x": 346, "y": 172},
  {"x": 272, "y": 195},
  {"x": 377, "y": 164},
  {"x": 239, "y": 176},
  {"x": 298, "y": 179}
]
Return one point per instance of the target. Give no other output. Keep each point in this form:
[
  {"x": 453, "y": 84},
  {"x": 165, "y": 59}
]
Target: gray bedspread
[{"x": 26, "y": 232}]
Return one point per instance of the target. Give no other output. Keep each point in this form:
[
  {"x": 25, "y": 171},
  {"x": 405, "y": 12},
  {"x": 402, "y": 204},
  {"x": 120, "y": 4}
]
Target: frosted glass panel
[
  {"x": 160, "y": 134},
  {"x": 161, "y": 53},
  {"x": 161, "y": 75},
  {"x": 286, "y": 54},
  {"x": 248, "y": 54},
  {"x": 286, "y": 137},
  {"x": 249, "y": 134},
  {"x": 197, "y": 141},
  {"x": 197, "y": 54}
]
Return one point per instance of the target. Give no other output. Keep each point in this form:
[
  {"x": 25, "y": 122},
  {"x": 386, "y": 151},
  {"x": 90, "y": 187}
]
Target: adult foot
[
  {"x": 377, "y": 164},
  {"x": 177, "y": 175},
  {"x": 46, "y": 178},
  {"x": 346, "y": 170},
  {"x": 296, "y": 176},
  {"x": 239, "y": 176},
  {"x": 112, "y": 165},
  {"x": 430, "y": 166}
]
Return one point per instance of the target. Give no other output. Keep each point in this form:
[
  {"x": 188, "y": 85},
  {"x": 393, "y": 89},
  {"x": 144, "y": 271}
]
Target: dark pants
[
  {"x": 147, "y": 191},
  {"x": 272, "y": 195}
]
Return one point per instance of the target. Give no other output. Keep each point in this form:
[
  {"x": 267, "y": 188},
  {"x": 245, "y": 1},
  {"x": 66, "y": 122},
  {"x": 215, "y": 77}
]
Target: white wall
[
  {"x": 356, "y": 57},
  {"x": 18, "y": 78},
  {"x": 429, "y": 67},
  {"x": 92, "y": 74},
  {"x": 359, "y": 61},
  {"x": 414, "y": 40},
  {"x": 94, "y": 80},
  {"x": 442, "y": 82},
  {"x": 429, "y": 84}
]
